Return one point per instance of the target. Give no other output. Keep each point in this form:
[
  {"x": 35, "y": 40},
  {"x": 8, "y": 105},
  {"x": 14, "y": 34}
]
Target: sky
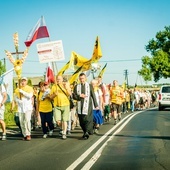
[{"x": 124, "y": 28}]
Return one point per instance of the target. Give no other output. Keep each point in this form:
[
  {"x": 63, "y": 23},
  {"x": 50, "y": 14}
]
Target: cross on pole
[{"x": 17, "y": 63}]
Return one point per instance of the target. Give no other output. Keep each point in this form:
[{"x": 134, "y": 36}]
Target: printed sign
[{"x": 50, "y": 51}]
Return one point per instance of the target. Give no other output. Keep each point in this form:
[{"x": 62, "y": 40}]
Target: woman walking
[{"x": 44, "y": 108}]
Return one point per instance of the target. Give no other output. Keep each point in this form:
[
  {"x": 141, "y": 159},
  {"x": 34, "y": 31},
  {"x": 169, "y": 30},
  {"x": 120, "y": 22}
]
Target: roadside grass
[{"x": 9, "y": 116}]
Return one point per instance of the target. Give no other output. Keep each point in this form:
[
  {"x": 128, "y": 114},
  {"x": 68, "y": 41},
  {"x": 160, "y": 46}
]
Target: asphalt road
[{"x": 139, "y": 141}]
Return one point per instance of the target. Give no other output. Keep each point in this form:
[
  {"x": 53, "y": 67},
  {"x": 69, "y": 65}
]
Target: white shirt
[
  {"x": 98, "y": 94},
  {"x": 2, "y": 90},
  {"x": 25, "y": 104}
]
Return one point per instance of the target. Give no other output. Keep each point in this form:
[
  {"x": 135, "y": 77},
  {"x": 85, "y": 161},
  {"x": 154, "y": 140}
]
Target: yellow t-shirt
[
  {"x": 61, "y": 99},
  {"x": 127, "y": 97},
  {"x": 116, "y": 95},
  {"x": 44, "y": 105}
]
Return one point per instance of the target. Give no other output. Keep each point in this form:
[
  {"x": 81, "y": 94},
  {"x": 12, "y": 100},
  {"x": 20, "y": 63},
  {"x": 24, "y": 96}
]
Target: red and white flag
[
  {"x": 49, "y": 74},
  {"x": 39, "y": 31}
]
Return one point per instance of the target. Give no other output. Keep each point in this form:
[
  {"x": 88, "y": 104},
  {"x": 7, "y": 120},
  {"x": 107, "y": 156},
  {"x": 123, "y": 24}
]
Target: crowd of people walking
[{"x": 94, "y": 104}]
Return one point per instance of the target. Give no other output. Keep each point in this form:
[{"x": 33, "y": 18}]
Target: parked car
[{"x": 164, "y": 97}]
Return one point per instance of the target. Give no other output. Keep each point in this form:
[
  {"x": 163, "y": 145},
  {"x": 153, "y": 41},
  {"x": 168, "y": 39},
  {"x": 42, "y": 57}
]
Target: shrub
[{"x": 9, "y": 116}]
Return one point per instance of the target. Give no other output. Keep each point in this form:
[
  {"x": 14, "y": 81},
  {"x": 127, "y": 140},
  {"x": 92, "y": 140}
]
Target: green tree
[
  {"x": 29, "y": 82},
  {"x": 2, "y": 68},
  {"x": 158, "y": 65}
]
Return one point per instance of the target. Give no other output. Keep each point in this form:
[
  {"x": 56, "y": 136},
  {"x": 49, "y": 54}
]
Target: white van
[{"x": 164, "y": 97}]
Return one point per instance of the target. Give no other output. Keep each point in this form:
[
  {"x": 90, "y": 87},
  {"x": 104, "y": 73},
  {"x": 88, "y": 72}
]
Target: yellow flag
[
  {"x": 61, "y": 72},
  {"x": 75, "y": 75},
  {"x": 86, "y": 66},
  {"x": 124, "y": 85},
  {"x": 103, "y": 70},
  {"x": 97, "y": 53},
  {"x": 77, "y": 60}
]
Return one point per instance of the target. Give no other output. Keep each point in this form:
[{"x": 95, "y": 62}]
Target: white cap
[{"x": 24, "y": 78}]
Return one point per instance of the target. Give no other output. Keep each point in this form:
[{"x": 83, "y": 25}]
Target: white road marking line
[
  {"x": 96, "y": 156},
  {"x": 85, "y": 154}
]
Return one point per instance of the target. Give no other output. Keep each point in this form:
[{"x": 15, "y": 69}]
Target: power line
[
  {"x": 111, "y": 61},
  {"x": 121, "y": 60}
]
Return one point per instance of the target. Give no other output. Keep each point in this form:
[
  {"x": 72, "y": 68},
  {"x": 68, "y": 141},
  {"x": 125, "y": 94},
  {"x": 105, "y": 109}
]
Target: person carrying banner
[{"x": 23, "y": 97}]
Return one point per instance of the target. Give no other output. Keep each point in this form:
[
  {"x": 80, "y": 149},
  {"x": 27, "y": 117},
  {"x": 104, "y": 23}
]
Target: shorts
[
  {"x": 106, "y": 110},
  {"x": 115, "y": 107},
  {"x": 61, "y": 113},
  {"x": 2, "y": 114}
]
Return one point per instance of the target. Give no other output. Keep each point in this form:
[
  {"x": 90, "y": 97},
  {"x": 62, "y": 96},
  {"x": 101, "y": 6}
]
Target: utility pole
[{"x": 126, "y": 77}]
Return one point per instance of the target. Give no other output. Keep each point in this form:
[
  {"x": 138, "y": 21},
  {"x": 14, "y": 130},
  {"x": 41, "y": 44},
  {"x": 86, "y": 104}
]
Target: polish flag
[
  {"x": 39, "y": 31},
  {"x": 49, "y": 74}
]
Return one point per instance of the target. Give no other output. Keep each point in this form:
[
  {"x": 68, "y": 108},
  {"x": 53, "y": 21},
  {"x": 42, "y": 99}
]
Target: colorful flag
[
  {"x": 103, "y": 70},
  {"x": 86, "y": 65},
  {"x": 7, "y": 80},
  {"x": 77, "y": 60},
  {"x": 61, "y": 72},
  {"x": 75, "y": 75},
  {"x": 39, "y": 31},
  {"x": 97, "y": 53},
  {"x": 49, "y": 74}
]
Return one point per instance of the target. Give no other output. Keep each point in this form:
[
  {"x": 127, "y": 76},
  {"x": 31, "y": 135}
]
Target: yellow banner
[
  {"x": 103, "y": 70},
  {"x": 77, "y": 60},
  {"x": 97, "y": 53},
  {"x": 75, "y": 75},
  {"x": 61, "y": 72}
]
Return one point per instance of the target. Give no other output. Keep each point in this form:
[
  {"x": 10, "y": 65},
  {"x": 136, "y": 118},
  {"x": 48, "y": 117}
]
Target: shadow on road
[{"x": 148, "y": 137}]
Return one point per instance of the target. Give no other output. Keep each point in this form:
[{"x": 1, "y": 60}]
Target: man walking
[
  {"x": 84, "y": 94},
  {"x": 116, "y": 96},
  {"x": 24, "y": 98},
  {"x": 60, "y": 93}
]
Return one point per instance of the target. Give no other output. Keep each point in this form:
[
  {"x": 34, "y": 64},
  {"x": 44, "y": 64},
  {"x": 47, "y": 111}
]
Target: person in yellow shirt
[
  {"x": 23, "y": 98},
  {"x": 60, "y": 93},
  {"x": 116, "y": 96},
  {"x": 44, "y": 109}
]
